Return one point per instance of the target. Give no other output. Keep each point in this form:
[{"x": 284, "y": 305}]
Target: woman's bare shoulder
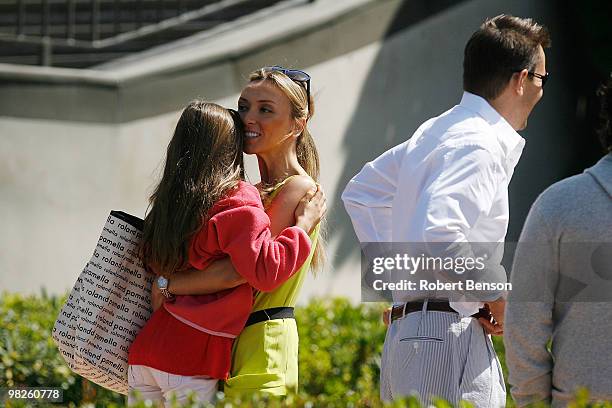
[
  {"x": 294, "y": 189},
  {"x": 298, "y": 184}
]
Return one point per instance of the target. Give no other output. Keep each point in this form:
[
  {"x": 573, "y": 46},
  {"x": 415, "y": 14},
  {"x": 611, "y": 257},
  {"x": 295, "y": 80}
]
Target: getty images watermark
[
  {"x": 455, "y": 271},
  {"x": 403, "y": 264}
]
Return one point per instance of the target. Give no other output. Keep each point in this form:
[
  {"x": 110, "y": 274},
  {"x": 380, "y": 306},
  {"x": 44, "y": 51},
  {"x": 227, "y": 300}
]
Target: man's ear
[{"x": 518, "y": 81}]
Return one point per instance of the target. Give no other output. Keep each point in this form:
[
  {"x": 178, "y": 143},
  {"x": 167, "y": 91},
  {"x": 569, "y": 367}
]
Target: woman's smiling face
[{"x": 268, "y": 122}]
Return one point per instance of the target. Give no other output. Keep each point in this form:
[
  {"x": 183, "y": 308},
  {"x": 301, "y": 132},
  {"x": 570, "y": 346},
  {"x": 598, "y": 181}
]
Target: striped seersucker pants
[{"x": 439, "y": 354}]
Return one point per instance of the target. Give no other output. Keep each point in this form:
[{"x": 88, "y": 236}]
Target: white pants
[
  {"x": 156, "y": 385},
  {"x": 430, "y": 354}
]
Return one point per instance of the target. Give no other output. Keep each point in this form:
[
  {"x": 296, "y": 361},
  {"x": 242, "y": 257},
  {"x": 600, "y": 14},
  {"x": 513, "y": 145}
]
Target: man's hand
[
  {"x": 495, "y": 325},
  {"x": 497, "y": 308},
  {"x": 386, "y": 317}
]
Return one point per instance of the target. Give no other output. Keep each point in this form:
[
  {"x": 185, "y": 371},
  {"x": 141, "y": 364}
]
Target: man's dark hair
[
  {"x": 605, "y": 114},
  {"x": 501, "y": 45}
]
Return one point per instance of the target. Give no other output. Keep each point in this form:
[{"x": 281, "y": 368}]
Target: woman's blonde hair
[{"x": 302, "y": 108}]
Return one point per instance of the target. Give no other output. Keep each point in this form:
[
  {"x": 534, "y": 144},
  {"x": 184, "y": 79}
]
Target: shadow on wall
[{"x": 418, "y": 74}]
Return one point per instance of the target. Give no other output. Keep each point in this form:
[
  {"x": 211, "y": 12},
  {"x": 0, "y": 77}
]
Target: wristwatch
[{"x": 162, "y": 284}]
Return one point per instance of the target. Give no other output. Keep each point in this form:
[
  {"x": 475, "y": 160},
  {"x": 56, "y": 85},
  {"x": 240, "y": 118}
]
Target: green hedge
[
  {"x": 29, "y": 357},
  {"x": 340, "y": 348}
]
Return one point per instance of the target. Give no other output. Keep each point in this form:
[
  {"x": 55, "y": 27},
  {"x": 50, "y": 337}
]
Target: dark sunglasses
[
  {"x": 295, "y": 75},
  {"x": 544, "y": 77},
  {"x": 235, "y": 116}
]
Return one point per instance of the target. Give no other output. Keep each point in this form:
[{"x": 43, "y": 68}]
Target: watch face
[{"x": 162, "y": 282}]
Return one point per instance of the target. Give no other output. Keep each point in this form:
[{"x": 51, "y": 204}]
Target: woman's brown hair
[{"x": 203, "y": 162}]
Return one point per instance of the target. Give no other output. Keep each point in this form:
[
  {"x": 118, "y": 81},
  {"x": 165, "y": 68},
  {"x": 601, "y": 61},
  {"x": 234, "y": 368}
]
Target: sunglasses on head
[
  {"x": 235, "y": 115},
  {"x": 295, "y": 75}
]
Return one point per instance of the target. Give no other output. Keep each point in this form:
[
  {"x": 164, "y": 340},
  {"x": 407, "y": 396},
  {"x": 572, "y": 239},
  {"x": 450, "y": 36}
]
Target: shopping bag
[{"x": 107, "y": 307}]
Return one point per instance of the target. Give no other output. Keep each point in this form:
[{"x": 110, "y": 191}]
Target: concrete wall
[{"x": 379, "y": 69}]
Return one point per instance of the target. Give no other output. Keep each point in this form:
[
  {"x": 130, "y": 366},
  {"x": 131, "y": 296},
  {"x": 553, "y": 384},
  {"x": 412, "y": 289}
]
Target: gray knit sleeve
[{"x": 529, "y": 310}]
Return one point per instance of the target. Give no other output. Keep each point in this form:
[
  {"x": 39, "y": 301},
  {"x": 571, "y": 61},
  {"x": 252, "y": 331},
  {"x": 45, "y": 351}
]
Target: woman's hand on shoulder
[{"x": 311, "y": 208}]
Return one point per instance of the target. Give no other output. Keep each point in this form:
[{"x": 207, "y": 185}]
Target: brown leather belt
[{"x": 436, "y": 306}]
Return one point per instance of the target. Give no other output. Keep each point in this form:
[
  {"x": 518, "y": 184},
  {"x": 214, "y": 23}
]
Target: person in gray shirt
[{"x": 558, "y": 322}]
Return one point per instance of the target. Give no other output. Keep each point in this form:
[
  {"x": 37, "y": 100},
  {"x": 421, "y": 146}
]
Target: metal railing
[
  {"x": 149, "y": 17},
  {"x": 144, "y": 25}
]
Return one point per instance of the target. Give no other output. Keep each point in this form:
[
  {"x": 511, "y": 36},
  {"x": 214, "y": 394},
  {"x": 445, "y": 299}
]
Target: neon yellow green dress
[{"x": 265, "y": 356}]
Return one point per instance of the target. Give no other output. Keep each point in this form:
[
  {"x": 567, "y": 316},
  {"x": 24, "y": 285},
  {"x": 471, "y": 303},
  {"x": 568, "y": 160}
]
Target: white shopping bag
[{"x": 107, "y": 306}]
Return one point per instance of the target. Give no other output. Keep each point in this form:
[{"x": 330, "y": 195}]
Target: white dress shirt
[{"x": 447, "y": 183}]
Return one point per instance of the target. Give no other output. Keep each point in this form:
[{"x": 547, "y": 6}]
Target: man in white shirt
[{"x": 448, "y": 184}]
